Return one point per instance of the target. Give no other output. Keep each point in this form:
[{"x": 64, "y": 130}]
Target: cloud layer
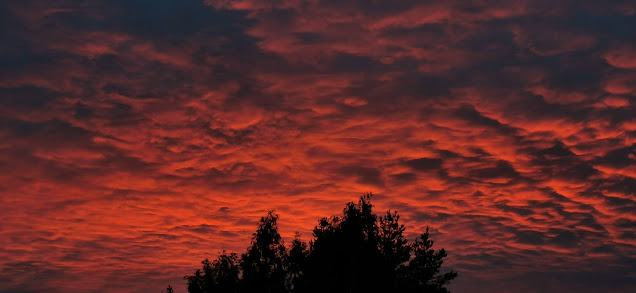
[{"x": 139, "y": 137}]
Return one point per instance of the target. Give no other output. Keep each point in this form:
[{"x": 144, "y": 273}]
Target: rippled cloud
[{"x": 140, "y": 137}]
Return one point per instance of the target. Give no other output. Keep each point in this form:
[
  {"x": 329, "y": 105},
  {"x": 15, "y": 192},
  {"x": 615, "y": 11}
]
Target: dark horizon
[{"x": 139, "y": 137}]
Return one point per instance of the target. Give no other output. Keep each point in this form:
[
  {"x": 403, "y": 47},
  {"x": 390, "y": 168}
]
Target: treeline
[{"x": 357, "y": 251}]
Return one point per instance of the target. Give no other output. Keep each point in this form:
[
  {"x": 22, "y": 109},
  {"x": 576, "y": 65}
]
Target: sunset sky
[{"x": 138, "y": 138}]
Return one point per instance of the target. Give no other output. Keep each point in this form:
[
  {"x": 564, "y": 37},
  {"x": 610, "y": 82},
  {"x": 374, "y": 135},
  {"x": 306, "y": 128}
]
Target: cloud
[
  {"x": 146, "y": 136},
  {"x": 621, "y": 58},
  {"x": 424, "y": 164}
]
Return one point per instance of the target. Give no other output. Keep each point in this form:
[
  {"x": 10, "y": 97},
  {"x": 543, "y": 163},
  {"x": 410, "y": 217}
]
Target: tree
[
  {"x": 225, "y": 273},
  {"x": 423, "y": 271},
  {"x": 295, "y": 263},
  {"x": 345, "y": 252},
  {"x": 262, "y": 264},
  {"x": 356, "y": 251},
  {"x": 195, "y": 282},
  {"x": 219, "y": 276},
  {"x": 393, "y": 246}
]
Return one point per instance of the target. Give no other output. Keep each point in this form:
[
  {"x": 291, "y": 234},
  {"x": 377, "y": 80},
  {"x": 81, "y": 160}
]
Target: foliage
[
  {"x": 221, "y": 275},
  {"x": 262, "y": 264},
  {"x": 353, "y": 252}
]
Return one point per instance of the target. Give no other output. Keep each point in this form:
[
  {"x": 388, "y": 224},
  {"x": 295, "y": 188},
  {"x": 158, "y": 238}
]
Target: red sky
[{"x": 139, "y": 137}]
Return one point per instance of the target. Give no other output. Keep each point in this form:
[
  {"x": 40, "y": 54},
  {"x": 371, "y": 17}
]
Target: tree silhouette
[
  {"x": 195, "y": 282},
  {"x": 353, "y": 252},
  {"x": 422, "y": 272},
  {"x": 262, "y": 264},
  {"x": 345, "y": 252},
  {"x": 394, "y": 248},
  {"x": 221, "y": 275},
  {"x": 296, "y": 262}
]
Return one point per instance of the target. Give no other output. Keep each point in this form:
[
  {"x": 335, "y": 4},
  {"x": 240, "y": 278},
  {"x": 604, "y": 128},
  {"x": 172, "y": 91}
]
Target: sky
[{"x": 138, "y": 138}]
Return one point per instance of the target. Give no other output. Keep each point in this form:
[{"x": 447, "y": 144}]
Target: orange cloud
[{"x": 146, "y": 139}]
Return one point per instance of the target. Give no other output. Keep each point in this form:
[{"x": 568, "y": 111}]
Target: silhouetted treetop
[
  {"x": 221, "y": 275},
  {"x": 356, "y": 251},
  {"x": 262, "y": 264}
]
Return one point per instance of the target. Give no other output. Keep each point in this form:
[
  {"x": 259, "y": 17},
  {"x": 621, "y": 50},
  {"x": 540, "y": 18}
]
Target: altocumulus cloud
[{"x": 139, "y": 137}]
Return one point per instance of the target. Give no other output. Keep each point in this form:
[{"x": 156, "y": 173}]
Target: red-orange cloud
[{"x": 139, "y": 138}]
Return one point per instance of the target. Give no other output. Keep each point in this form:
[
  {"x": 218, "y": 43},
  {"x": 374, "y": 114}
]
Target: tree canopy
[{"x": 356, "y": 251}]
